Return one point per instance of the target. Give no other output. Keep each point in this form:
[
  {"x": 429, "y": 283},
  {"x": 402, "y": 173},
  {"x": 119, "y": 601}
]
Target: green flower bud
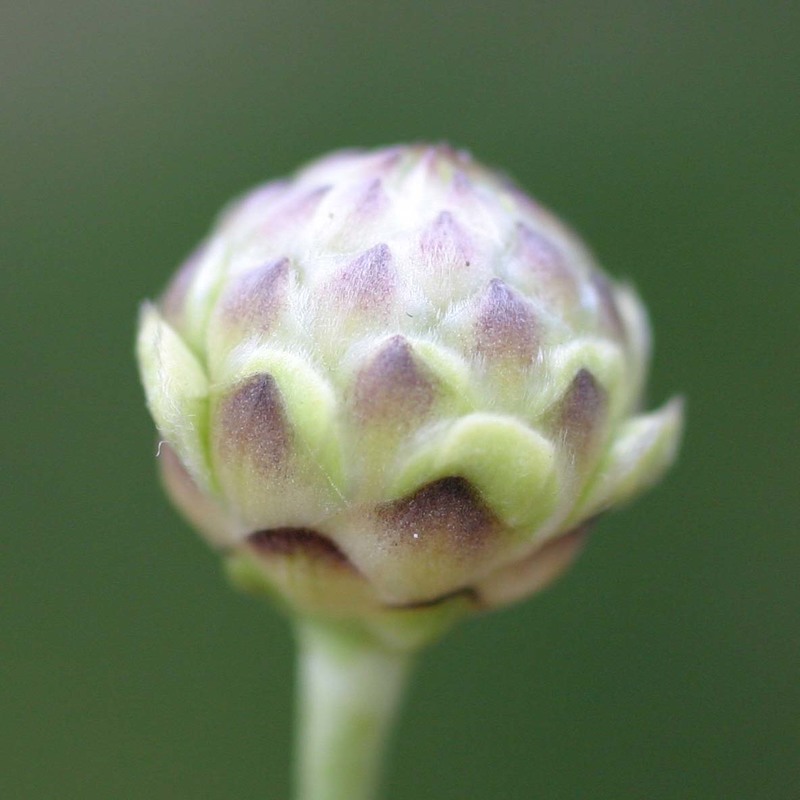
[{"x": 394, "y": 388}]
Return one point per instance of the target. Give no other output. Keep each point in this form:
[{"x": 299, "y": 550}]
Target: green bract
[{"x": 394, "y": 388}]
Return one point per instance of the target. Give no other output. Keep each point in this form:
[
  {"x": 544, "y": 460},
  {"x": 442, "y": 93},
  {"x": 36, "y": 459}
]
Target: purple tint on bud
[
  {"x": 304, "y": 205},
  {"x": 581, "y": 412},
  {"x": 609, "y": 311},
  {"x": 444, "y": 243},
  {"x": 201, "y": 509},
  {"x": 252, "y": 424},
  {"x": 358, "y": 210},
  {"x": 393, "y": 385},
  {"x": 248, "y": 212},
  {"x": 372, "y": 200},
  {"x": 257, "y": 297},
  {"x": 172, "y": 301},
  {"x": 449, "y": 511},
  {"x": 291, "y": 212},
  {"x": 390, "y": 159},
  {"x": 539, "y": 251},
  {"x": 462, "y": 184},
  {"x": 368, "y": 282},
  {"x": 543, "y": 265},
  {"x": 433, "y": 156},
  {"x": 261, "y": 200},
  {"x": 505, "y": 327}
]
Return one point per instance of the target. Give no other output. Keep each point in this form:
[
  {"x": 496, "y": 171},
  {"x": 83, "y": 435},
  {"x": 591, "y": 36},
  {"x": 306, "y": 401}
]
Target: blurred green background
[{"x": 666, "y": 664}]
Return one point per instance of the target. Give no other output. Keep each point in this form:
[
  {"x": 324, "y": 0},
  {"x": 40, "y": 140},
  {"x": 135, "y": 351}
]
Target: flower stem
[{"x": 348, "y": 692}]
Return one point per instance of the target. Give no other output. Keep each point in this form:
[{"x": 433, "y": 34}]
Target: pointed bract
[{"x": 177, "y": 392}]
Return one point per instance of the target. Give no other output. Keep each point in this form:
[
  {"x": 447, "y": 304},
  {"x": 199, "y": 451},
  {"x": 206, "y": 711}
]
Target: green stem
[{"x": 349, "y": 690}]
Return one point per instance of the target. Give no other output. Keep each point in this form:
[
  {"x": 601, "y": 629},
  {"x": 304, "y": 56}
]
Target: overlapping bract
[{"x": 395, "y": 383}]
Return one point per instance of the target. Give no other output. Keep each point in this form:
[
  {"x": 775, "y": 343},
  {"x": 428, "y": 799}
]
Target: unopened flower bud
[{"x": 394, "y": 388}]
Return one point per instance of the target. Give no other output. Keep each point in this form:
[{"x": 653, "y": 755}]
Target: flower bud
[{"x": 394, "y": 388}]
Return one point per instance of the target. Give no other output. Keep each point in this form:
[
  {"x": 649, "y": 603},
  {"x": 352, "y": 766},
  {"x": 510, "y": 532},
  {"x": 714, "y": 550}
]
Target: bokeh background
[{"x": 666, "y": 664}]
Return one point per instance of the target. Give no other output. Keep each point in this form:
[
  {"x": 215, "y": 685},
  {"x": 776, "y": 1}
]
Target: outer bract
[{"x": 394, "y": 388}]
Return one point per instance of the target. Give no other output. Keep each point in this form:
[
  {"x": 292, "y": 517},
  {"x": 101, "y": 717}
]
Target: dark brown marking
[
  {"x": 581, "y": 410},
  {"x": 582, "y": 530},
  {"x": 449, "y": 510},
  {"x": 257, "y": 297},
  {"x": 290, "y": 542},
  {"x": 393, "y": 384},
  {"x": 577, "y": 534},
  {"x": 252, "y": 423},
  {"x": 505, "y": 326},
  {"x": 468, "y": 593}
]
